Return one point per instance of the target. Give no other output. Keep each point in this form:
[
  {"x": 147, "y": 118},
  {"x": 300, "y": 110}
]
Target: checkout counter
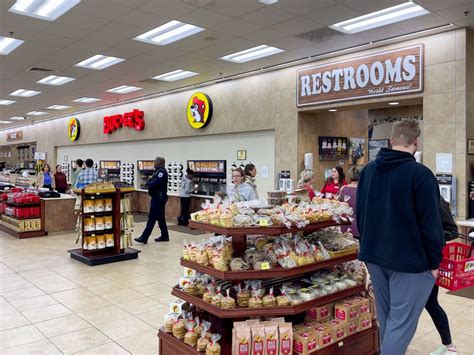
[{"x": 58, "y": 212}]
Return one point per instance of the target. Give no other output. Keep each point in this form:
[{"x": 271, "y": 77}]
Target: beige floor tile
[
  {"x": 73, "y": 294},
  {"x": 12, "y": 320},
  {"x": 19, "y": 336},
  {"x": 46, "y": 279},
  {"x": 21, "y": 266},
  {"x": 152, "y": 289},
  {"x": 141, "y": 344},
  {"x": 42, "y": 347},
  {"x": 62, "y": 325},
  {"x": 106, "y": 349},
  {"x": 33, "y": 274},
  {"x": 94, "y": 302},
  {"x": 4, "y": 269},
  {"x": 33, "y": 303},
  {"x": 80, "y": 340},
  {"x": 122, "y": 296},
  {"x": 104, "y": 315},
  {"x": 140, "y": 305},
  {"x": 105, "y": 287},
  {"x": 13, "y": 284},
  {"x": 155, "y": 318},
  {"x": 46, "y": 313},
  {"x": 462, "y": 325},
  {"x": 21, "y": 294},
  {"x": 58, "y": 286},
  {"x": 124, "y": 328}
]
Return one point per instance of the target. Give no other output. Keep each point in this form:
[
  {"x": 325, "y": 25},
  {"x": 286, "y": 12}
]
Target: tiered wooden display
[
  {"x": 109, "y": 254},
  {"x": 365, "y": 342},
  {"x": 27, "y": 234}
]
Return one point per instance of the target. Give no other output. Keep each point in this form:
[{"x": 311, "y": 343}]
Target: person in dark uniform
[{"x": 157, "y": 189}]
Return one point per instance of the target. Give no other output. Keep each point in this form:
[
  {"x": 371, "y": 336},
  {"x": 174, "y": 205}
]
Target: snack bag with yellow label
[{"x": 258, "y": 339}]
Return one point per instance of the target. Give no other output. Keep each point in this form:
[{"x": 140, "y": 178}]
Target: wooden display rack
[
  {"x": 22, "y": 235},
  {"x": 108, "y": 254},
  {"x": 364, "y": 342}
]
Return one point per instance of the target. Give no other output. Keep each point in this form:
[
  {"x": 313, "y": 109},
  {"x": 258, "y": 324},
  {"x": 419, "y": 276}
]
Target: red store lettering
[{"x": 134, "y": 119}]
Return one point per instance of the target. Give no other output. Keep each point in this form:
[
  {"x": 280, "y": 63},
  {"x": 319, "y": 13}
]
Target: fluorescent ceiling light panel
[
  {"x": 252, "y": 54},
  {"x": 175, "y": 75},
  {"x": 268, "y": 2},
  {"x": 6, "y": 102},
  {"x": 36, "y": 113},
  {"x": 8, "y": 44},
  {"x": 394, "y": 103},
  {"x": 99, "y": 62},
  {"x": 87, "y": 100},
  {"x": 55, "y": 80},
  {"x": 25, "y": 93},
  {"x": 380, "y": 18},
  {"x": 58, "y": 107},
  {"x": 5, "y": 122},
  {"x": 18, "y": 118},
  {"x": 48, "y": 10},
  {"x": 124, "y": 89},
  {"x": 168, "y": 33}
]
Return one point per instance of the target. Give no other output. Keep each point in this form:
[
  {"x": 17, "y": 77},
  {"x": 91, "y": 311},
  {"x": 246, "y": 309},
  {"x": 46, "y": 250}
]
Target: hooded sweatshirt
[{"x": 398, "y": 214}]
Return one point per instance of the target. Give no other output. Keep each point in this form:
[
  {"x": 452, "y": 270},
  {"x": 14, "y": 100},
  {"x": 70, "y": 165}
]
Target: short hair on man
[
  {"x": 405, "y": 133},
  {"x": 89, "y": 163},
  {"x": 79, "y": 163},
  {"x": 160, "y": 160}
]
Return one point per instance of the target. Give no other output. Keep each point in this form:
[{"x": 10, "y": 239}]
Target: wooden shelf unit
[{"x": 28, "y": 234}]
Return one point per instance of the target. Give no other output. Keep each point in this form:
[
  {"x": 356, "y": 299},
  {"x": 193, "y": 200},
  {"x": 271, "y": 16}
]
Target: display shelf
[
  {"x": 100, "y": 232},
  {"x": 277, "y": 272},
  {"x": 265, "y": 311},
  {"x": 22, "y": 218},
  {"x": 14, "y": 204},
  {"x": 171, "y": 345},
  {"x": 22, "y": 235},
  {"x": 98, "y": 214},
  {"x": 111, "y": 256}
]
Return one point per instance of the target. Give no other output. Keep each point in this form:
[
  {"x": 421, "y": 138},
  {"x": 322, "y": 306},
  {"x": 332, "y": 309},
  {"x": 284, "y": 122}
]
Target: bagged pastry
[
  {"x": 201, "y": 255},
  {"x": 269, "y": 300},
  {"x": 209, "y": 294},
  {"x": 228, "y": 302},
  {"x": 243, "y": 296},
  {"x": 213, "y": 348},
  {"x": 203, "y": 341},
  {"x": 191, "y": 337},
  {"x": 255, "y": 301},
  {"x": 283, "y": 300},
  {"x": 217, "y": 299},
  {"x": 179, "y": 329}
]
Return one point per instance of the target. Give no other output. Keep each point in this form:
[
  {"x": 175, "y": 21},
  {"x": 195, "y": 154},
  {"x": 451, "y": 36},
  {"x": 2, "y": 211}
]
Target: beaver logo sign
[
  {"x": 73, "y": 129},
  {"x": 199, "y": 110}
]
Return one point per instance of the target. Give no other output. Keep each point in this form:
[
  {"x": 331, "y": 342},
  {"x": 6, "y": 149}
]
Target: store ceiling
[{"x": 108, "y": 26}]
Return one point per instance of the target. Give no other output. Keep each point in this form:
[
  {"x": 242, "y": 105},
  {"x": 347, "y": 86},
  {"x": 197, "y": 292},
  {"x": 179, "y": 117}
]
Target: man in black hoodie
[{"x": 401, "y": 237}]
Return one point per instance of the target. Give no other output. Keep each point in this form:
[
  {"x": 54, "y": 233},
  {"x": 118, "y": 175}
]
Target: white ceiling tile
[
  {"x": 467, "y": 23},
  {"x": 156, "y": 56},
  {"x": 236, "y": 44},
  {"x": 106, "y": 9},
  {"x": 332, "y": 15},
  {"x": 235, "y": 8},
  {"x": 458, "y": 13},
  {"x": 302, "y": 7},
  {"x": 266, "y": 35},
  {"x": 67, "y": 31},
  {"x": 268, "y": 16},
  {"x": 169, "y": 8},
  {"x": 123, "y": 30},
  {"x": 421, "y": 23},
  {"x": 127, "y": 49},
  {"x": 199, "y": 41},
  {"x": 236, "y": 27},
  {"x": 437, "y": 5},
  {"x": 368, "y": 6},
  {"x": 144, "y": 19},
  {"x": 11, "y": 22},
  {"x": 296, "y": 26},
  {"x": 128, "y": 3},
  {"x": 290, "y": 43},
  {"x": 204, "y": 18},
  {"x": 184, "y": 61},
  {"x": 86, "y": 21}
]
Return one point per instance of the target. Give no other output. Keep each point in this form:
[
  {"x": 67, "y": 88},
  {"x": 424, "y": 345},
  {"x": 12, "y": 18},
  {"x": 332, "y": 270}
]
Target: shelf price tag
[
  {"x": 263, "y": 223},
  {"x": 265, "y": 265}
]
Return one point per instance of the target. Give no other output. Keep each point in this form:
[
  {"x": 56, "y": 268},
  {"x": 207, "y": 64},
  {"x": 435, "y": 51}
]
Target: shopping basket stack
[{"x": 456, "y": 270}]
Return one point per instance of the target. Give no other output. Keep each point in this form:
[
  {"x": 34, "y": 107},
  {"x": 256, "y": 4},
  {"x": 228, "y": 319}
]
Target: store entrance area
[{"x": 52, "y": 304}]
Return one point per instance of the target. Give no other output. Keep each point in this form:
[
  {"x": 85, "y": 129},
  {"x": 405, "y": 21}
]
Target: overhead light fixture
[
  {"x": 25, "y": 93},
  {"x": 8, "y": 44},
  {"x": 175, "y": 75},
  {"x": 252, "y": 54},
  {"x": 380, "y": 18},
  {"x": 124, "y": 89},
  {"x": 86, "y": 100},
  {"x": 48, "y": 10},
  {"x": 394, "y": 103},
  {"x": 36, "y": 113},
  {"x": 168, "y": 33},
  {"x": 332, "y": 110},
  {"x": 55, "y": 80},
  {"x": 268, "y": 2},
  {"x": 99, "y": 62},
  {"x": 5, "y": 122},
  {"x": 19, "y": 118},
  {"x": 58, "y": 107},
  {"x": 6, "y": 102}
]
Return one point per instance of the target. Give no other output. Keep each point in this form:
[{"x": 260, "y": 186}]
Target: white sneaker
[
  {"x": 451, "y": 351},
  {"x": 440, "y": 351}
]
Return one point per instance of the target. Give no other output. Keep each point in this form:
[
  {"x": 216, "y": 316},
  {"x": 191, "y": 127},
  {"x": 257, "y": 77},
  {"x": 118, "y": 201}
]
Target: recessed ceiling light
[
  {"x": 55, "y": 80},
  {"x": 99, "y": 62},
  {"x": 8, "y": 44},
  {"x": 5, "y": 122},
  {"x": 18, "y": 118},
  {"x": 124, "y": 89},
  {"x": 58, "y": 107},
  {"x": 25, "y": 93},
  {"x": 175, "y": 75},
  {"x": 394, "y": 103},
  {"x": 332, "y": 110},
  {"x": 36, "y": 113},
  {"x": 268, "y": 2},
  {"x": 86, "y": 100},
  {"x": 48, "y": 10},
  {"x": 6, "y": 102},
  {"x": 168, "y": 33},
  {"x": 252, "y": 54},
  {"x": 380, "y": 18}
]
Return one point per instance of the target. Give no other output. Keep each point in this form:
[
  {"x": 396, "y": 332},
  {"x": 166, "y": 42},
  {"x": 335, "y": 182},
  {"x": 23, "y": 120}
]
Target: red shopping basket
[{"x": 456, "y": 270}]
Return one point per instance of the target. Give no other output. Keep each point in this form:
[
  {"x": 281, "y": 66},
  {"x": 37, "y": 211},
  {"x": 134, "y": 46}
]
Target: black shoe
[
  {"x": 161, "y": 239},
  {"x": 141, "y": 240}
]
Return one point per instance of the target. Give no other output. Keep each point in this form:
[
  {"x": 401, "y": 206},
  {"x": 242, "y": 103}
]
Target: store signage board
[
  {"x": 40, "y": 156},
  {"x": 207, "y": 166},
  {"x": 15, "y": 136},
  {"x": 146, "y": 165},
  {"x": 73, "y": 129},
  {"x": 199, "y": 110},
  {"x": 387, "y": 73},
  {"x": 134, "y": 119},
  {"x": 110, "y": 164}
]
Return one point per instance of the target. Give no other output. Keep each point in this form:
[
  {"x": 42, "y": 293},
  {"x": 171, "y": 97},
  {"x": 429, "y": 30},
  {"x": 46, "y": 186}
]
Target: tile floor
[{"x": 52, "y": 304}]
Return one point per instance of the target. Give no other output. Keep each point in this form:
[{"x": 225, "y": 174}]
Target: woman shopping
[
  {"x": 250, "y": 177},
  {"x": 45, "y": 178},
  {"x": 306, "y": 182},
  {"x": 239, "y": 191},
  {"x": 60, "y": 180},
  {"x": 348, "y": 194},
  {"x": 335, "y": 182}
]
